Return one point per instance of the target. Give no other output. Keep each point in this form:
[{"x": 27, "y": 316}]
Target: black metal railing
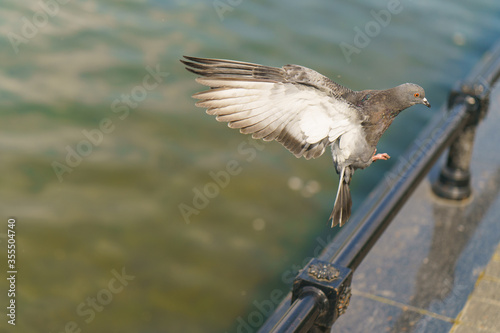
[{"x": 321, "y": 291}]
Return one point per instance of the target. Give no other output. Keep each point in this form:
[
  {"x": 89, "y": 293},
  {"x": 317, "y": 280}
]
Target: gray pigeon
[{"x": 304, "y": 111}]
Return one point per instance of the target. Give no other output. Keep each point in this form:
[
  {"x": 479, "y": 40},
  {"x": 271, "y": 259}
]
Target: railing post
[
  {"x": 454, "y": 179},
  {"x": 321, "y": 293},
  {"x": 334, "y": 281}
]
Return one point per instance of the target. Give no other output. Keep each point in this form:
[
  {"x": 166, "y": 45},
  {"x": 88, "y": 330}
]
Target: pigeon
[{"x": 305, "y": 111}]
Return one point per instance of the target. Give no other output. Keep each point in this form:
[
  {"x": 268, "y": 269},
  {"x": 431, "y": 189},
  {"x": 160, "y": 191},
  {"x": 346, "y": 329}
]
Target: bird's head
[{"x": 414, "y": 94}]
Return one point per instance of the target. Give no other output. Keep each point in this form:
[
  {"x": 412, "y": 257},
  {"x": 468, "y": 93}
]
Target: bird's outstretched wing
[{"x": 294, "y": 105}]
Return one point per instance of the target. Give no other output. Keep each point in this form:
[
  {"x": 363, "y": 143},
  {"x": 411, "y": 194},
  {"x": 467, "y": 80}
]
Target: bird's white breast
[{"x": 351, "y": 148}]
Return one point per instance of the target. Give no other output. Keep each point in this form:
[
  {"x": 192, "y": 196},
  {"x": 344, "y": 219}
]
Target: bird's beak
[{"x": 426, "y": 102}]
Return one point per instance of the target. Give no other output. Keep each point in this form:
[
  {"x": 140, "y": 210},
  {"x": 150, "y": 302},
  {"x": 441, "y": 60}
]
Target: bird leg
[{"x": 383, "y": 156}]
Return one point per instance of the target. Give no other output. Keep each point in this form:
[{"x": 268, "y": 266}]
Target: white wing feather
[{"x": 304, "y": 119}]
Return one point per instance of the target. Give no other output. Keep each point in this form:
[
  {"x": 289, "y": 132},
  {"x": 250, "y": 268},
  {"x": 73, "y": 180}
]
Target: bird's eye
[{"x": 416, "y": 95}]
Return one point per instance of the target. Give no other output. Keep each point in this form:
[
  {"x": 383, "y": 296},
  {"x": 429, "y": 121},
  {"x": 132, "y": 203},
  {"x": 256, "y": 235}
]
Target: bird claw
[{"x": 383, "y": 156}]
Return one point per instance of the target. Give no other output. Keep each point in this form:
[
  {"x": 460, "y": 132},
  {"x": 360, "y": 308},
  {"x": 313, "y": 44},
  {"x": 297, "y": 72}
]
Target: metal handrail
[{"x": 321, "y": 291}]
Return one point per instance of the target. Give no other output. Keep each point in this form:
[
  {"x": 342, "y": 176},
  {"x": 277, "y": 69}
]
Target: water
[{"x": 102, "y": 148}]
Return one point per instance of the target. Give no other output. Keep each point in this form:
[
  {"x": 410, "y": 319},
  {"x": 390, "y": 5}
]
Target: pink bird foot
[{"x": 383, "y": 156}]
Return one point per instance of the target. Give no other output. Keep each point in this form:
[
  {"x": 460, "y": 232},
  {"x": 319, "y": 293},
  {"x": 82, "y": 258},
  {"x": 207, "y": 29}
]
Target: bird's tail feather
[{"x": 342, "y": 207}]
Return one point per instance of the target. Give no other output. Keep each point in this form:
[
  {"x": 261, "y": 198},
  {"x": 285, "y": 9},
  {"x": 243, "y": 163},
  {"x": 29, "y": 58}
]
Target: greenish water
[{"x": 102, "y": 149}]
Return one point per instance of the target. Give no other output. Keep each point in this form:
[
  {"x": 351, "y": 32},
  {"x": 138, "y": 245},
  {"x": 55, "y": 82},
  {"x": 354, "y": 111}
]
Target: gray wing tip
[
  {"x": 217, "y": 67},
  {"x": 199, "y": 59},
  {"x": 192, "y": 66},
  {"x": 232, "y": 69},
  {"x": 196, "y": 65},
  {"x": 213, "y": 61}
]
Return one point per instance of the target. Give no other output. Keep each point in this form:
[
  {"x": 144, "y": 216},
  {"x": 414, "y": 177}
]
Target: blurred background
[{"x": 136, "y": 211}]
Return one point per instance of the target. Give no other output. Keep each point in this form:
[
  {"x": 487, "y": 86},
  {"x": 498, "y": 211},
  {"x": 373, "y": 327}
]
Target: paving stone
[{"x": 482, "y": 314}]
